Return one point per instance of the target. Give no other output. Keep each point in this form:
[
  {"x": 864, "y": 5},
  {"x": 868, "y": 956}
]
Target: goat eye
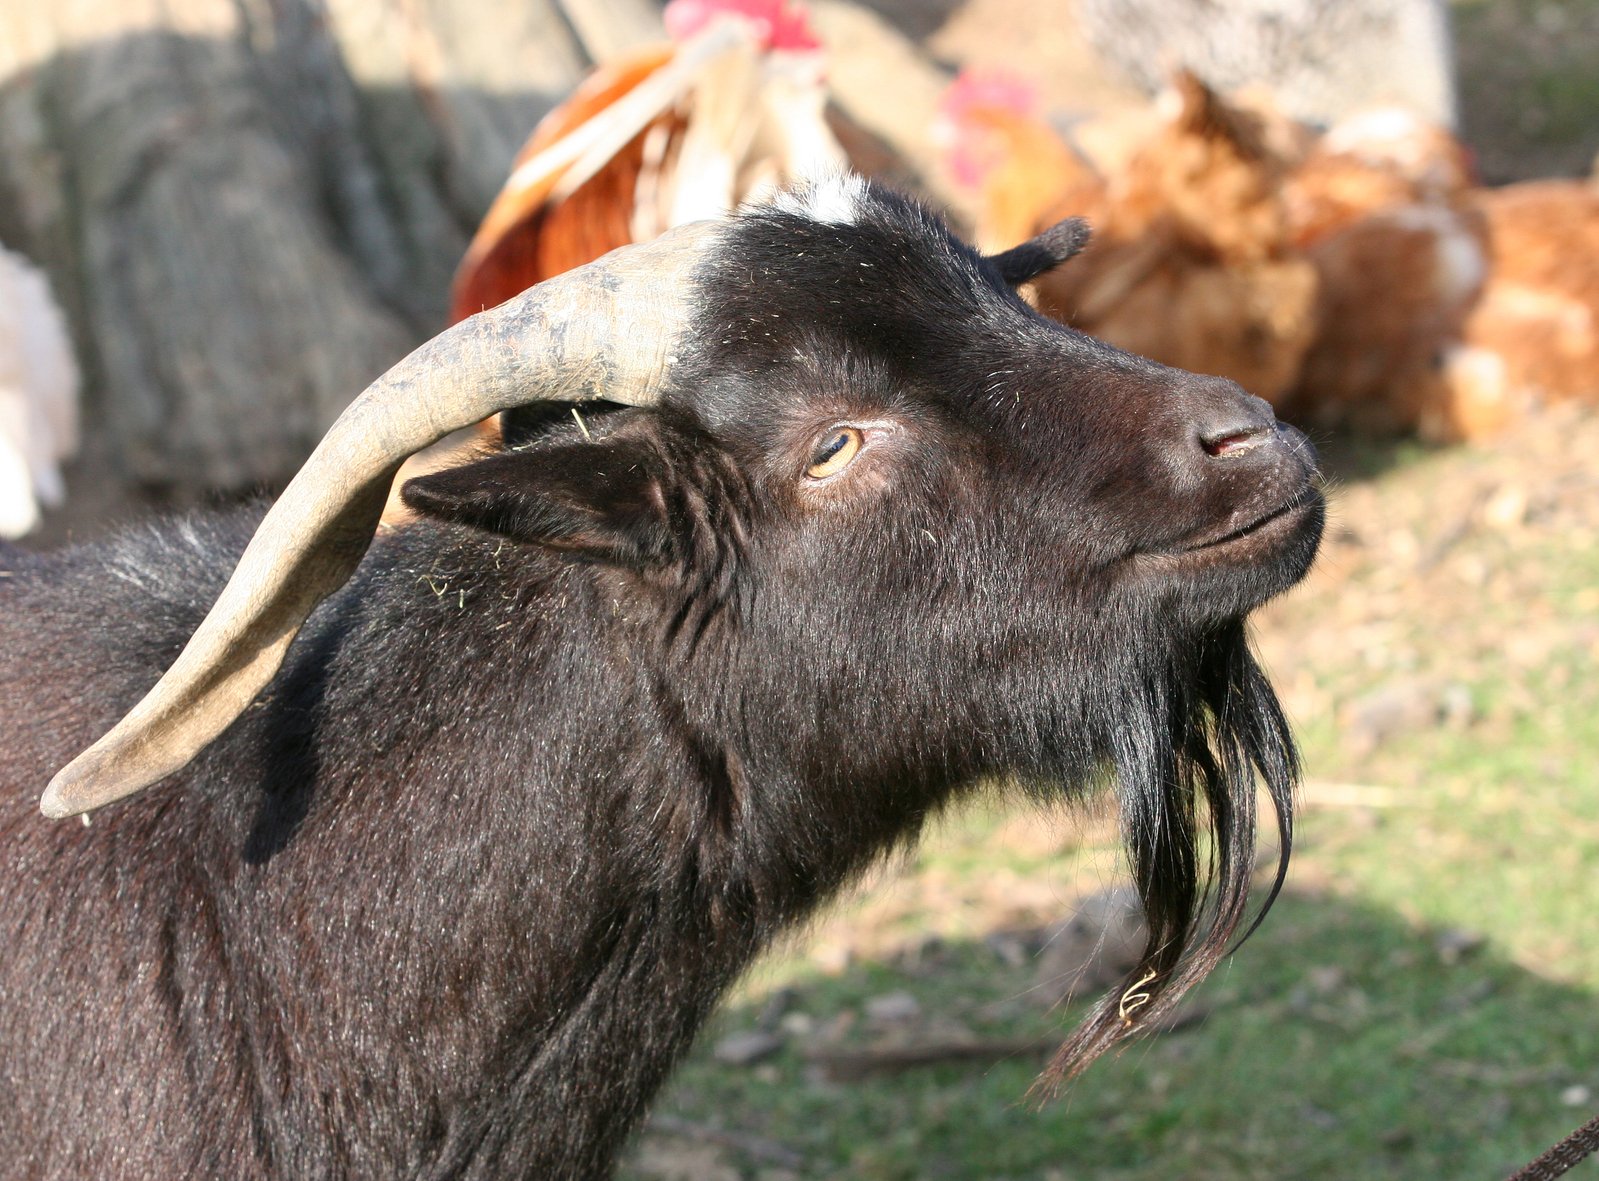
[{"x": 834, "y": 452}]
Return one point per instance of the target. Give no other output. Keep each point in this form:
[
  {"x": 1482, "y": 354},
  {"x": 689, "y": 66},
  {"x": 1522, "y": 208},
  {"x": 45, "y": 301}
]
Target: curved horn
[{"x": 609, "y": 329}]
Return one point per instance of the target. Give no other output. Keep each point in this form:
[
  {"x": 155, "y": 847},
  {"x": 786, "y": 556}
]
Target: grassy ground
[
  {"x": 1529, "y": 85},
  {"x": 1421, "y": 1003}
]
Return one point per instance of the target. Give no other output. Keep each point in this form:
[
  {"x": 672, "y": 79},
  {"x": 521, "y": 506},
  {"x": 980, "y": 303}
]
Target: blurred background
[{"x": 222, "y": 218}]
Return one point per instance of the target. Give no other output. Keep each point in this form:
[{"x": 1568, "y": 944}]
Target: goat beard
[{"x": 1199, "y": 728}]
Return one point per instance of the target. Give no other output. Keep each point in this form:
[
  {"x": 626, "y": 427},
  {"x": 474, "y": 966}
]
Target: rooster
[
  {"x": 38, "y": 396},
  {"x": 672, "y": 133}
]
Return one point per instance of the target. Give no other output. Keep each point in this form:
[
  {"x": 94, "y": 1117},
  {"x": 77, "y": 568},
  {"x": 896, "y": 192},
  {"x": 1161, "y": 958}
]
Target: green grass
[{"x": 1359, "y": 1035}]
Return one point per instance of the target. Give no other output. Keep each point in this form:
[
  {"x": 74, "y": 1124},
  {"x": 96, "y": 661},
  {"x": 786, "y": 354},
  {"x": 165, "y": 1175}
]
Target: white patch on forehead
[{"x": 832, "y": 200}]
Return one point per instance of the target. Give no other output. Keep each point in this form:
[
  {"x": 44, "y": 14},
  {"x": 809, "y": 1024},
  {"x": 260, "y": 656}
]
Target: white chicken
[{"x": 38, "y": 396}]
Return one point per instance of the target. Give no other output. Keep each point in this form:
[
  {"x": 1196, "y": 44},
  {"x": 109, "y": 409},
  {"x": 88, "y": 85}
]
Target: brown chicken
[
  {"x": 1383, "y": 207},
  {"x": 1024, "y": 176},
  {"x": 1533, "y": 336},
  {"x": 1190, "y": 262},
  {"x": 1359, "y": 278}
]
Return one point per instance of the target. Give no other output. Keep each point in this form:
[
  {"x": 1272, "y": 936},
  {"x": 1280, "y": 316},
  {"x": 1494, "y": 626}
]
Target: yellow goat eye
[{"x": 834, "y": 452}]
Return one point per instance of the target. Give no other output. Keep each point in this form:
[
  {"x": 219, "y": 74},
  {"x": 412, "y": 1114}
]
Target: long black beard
[{"x": 1210, "y": 729}]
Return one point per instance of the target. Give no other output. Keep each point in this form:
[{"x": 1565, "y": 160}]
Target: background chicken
[
  {"x": 1384, "y": 206},
  {"x": 1533, "y": 336},
  {"x": 1356, "y": 278},
  {"x": 1022, "y": 173},
  {"x": 1446, "y": 308},
  {"x": 1190, "y": 262},
  {"x": 667, "y": 135},
  {"x": 38, "y": 396}
]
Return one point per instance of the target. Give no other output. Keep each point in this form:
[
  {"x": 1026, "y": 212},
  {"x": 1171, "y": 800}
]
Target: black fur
[{"x": 531, "y": 791}]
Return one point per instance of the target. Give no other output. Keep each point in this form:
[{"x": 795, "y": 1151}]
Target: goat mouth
[
  {"x": 1286, "y": 514},
  {"x": 1261, "y": 541}
]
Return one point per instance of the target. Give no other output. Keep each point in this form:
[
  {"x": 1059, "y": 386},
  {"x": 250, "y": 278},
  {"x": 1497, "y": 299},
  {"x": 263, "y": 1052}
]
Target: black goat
[{"x": 640, "y": 691}]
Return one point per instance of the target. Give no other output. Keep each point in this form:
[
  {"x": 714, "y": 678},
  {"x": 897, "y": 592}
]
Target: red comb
[
  {"x": 779, "y": 25},
  {"x": 965, "y": 116},
  {"x": 988, "y": 88}
]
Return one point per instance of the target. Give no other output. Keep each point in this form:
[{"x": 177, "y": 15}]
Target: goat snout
[
  {"x": 1224, "y": 421},
  {"x": 1237, "y": 476},
  {"x": 1226, "y": 426},
  {"x": 1255, "y": 442},
  {"x": 1233, "y": 441}
]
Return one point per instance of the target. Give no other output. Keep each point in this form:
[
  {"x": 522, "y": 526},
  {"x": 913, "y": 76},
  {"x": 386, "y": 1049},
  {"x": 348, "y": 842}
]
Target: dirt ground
[{"x": 1436, "y": 568}]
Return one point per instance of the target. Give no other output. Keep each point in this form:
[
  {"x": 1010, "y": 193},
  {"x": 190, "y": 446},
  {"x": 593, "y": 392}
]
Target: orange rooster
[{"x": 667, "y": 135}]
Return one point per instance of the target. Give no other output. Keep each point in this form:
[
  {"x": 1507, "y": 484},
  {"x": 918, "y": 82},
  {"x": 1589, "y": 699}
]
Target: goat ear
[
  {"x": 599, "y": 500},
  {"x": 1042, "y": 253}
]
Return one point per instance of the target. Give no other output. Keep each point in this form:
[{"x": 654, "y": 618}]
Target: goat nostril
[{"x": 1227, "y": 444}]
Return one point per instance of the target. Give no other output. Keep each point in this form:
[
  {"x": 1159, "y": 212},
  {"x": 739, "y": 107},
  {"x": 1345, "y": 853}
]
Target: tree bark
[{"x": 250, "y": 208}]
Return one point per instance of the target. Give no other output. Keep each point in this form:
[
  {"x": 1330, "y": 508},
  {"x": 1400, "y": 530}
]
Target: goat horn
[{"x": 606, "y": 330}]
